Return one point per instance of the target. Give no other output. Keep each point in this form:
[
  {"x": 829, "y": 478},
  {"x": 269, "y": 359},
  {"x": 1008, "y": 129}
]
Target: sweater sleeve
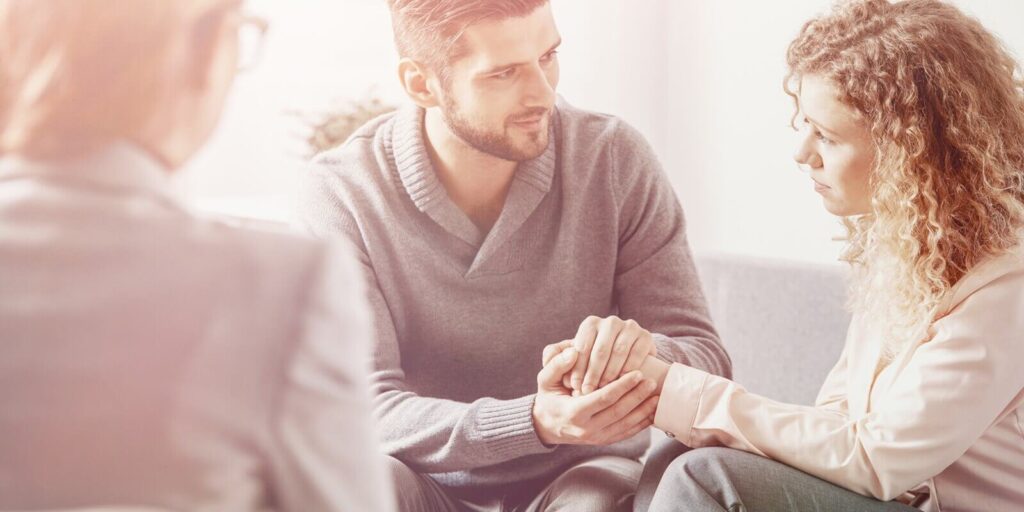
[
  {"x": 656, "y": 282},
  {"x": 429, "y": 434}
]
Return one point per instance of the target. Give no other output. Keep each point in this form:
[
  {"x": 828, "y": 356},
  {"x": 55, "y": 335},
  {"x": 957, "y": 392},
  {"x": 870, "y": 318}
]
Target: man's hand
[
  {"x": 615, "y": 412},
  {"x": 609, "y": 347},
  {"x": 553, "y": 350}
]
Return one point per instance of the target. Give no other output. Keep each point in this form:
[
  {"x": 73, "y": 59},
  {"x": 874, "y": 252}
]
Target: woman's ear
[{"x": 415, "y": 79}]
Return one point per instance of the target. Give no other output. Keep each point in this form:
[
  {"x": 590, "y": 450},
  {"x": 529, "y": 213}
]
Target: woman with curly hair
[{"x": 913, "y": 132}]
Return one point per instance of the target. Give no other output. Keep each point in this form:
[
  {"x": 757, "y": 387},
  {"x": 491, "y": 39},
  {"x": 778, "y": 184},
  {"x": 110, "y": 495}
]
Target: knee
[
  {"x": 597, "y": 485},
  {"x": 703, "y": 461},
  {"x": 663, "y": 452},
  {"x": 594, "y": 476},
  {"x": 401, "y": 474},
  {"x": 703, "y": 478},
  {"x": 395, "y": 465},
  {"x": 714, "y": 468},
  {"x": 415, "y": 492}
]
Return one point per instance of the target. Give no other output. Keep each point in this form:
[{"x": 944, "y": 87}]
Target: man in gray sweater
[{"x": 497, "y": 224}]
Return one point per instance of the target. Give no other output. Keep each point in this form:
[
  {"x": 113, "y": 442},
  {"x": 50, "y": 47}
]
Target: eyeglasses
[{"x": 252, "y": 32}]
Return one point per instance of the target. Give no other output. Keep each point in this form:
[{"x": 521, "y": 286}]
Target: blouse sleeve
[{"x": 954, "y": 387}]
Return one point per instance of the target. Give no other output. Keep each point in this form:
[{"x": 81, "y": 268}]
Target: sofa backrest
[{"x": 783, "y": 323}]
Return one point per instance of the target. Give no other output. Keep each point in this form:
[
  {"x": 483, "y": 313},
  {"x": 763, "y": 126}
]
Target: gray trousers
[
  {"x": 599, "y": 484},
  {"x": 677, "y": 478}
]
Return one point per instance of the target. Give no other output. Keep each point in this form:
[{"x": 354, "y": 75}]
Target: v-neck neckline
[{"x": 411, "y": 162}]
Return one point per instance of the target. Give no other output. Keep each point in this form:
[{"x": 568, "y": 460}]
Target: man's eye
[
  {"x": 504, "y": 75},
  {"x": 548, "y": 57}
]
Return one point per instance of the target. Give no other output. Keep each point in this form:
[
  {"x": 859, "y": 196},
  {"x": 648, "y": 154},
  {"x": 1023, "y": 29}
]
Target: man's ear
[{"x": 416, "y": 80}]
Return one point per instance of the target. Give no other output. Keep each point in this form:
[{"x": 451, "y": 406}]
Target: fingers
[
  {"x": 609, "y": 395},
  {"x": 608, "y": 347},
  {"x": 622, "y": 348},
  {"x": 607, "y": 332},
  {"x": 583, "y": 342},
  {"x": 553, "y": 350},
  {"x": 625, "y": 406},
  {"x": 550, "y": 376},
  {"x": 643, "y": 347},
  {"x": 641, "y": 418}
]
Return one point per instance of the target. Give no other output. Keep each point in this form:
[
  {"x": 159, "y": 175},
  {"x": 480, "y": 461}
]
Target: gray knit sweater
[{"x": 591, "y": 227}]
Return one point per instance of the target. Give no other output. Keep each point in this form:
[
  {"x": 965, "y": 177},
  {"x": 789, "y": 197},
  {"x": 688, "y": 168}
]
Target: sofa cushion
[{"x": 783, "y": 323}]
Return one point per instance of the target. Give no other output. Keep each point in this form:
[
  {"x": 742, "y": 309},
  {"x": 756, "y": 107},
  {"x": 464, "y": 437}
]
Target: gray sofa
[{"x": 782, "y": 322}]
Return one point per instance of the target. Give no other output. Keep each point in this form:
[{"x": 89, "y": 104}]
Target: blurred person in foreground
[
  {"x": 912, "y": 118},
  {"x": 150, "y": 357}
]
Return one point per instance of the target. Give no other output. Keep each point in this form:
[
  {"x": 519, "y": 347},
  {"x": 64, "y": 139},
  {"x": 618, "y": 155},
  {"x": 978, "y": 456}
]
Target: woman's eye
[{"x": 504, "y": 75}]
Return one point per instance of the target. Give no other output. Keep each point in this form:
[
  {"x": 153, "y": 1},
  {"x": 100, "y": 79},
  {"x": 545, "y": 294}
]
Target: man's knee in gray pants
[
  {"x": 416, "y": 492},
  {"x": 600, "y": 484},
  {"x": 662, "y": 453}
]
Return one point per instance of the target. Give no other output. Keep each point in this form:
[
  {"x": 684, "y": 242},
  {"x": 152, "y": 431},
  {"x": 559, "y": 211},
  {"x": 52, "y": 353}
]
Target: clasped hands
[{"x": 590, "y": 390}]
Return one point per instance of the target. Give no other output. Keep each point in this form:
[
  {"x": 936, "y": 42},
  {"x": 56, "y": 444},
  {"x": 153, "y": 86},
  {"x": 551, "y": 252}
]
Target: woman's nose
[{"x": 805, "y": 154}]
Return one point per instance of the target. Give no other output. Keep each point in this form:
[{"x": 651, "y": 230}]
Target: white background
[{"x": 701, "y": 79}]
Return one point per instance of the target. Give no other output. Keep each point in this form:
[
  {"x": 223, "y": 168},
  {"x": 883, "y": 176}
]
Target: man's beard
[{"x": 498, "y": 144}]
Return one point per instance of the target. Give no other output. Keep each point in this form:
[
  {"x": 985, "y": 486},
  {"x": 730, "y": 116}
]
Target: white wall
[
  {"x": 701, "y": 79},
  {"x": 317, "y": 54}
]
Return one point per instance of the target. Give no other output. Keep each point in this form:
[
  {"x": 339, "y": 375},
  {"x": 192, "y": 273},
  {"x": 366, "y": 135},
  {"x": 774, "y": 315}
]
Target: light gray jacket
[{"x": 151, "y": 358}]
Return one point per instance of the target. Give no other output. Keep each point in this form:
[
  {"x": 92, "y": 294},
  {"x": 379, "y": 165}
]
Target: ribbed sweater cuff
[
  {"x": 668, "y": 348},
  {"x": 506, "y": 426}
]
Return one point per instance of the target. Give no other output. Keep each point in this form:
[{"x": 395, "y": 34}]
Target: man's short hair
[{"x": 428, "y": 31}]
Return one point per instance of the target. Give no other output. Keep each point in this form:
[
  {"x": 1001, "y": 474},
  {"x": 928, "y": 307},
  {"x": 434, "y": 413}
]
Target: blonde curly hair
[{"x": 944, "y": 101}]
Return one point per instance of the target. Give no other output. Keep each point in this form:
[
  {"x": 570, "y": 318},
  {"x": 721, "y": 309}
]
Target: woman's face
[{"x": 836, "y": 147}]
